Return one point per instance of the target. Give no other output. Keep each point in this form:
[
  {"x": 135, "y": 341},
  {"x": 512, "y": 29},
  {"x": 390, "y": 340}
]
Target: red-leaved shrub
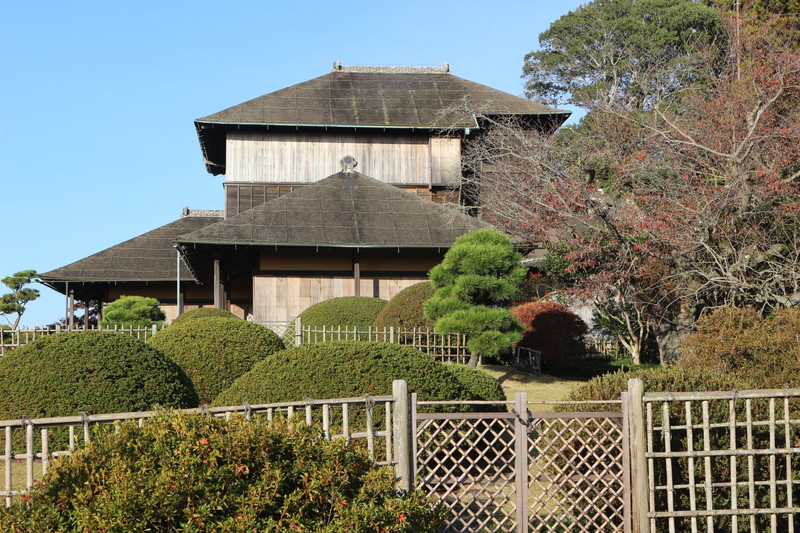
[{"x": 552, "y": 329}]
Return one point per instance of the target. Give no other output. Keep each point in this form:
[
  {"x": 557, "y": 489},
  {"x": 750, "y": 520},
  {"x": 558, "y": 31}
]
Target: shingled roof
[
  {"x": 347, "y": 209},
  {"x": 148, "y": 257},
  {"x": 368, "y": 97}
]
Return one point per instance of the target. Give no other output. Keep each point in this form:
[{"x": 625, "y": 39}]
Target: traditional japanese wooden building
[{"x": 300, "y": 224}]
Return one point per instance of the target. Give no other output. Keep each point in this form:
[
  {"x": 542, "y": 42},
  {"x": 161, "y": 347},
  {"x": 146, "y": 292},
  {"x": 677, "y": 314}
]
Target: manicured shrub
[
  {"x": 476, "y": 281},
  {"x": 350, "y": 311},
  {"x": 480, "y": 384},
  {"x": 404, "y": 311},
  {"x": 199, "y": 473},
  {"x": 215, "y": 351},
  {"x": 204, "y": 312},
  {"x": 132, "y": 311},
  {"x": 763, "y": 352},
  {"x": 342, "y": 369},
  {"x": 95, "y": 372},
  {"x": 552, "y": 329}
]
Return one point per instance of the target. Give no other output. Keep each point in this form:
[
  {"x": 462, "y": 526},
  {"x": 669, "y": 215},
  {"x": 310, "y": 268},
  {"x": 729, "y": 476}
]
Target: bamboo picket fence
[
  {"x": 15, "y": 338},
  {"x": 367, "y": 418}
]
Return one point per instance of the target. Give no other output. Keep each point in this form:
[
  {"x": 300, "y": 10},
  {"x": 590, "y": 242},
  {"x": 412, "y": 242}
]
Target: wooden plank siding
[
  {"x": 309, "y": 157},
  {"x": 279, "y": 298}
]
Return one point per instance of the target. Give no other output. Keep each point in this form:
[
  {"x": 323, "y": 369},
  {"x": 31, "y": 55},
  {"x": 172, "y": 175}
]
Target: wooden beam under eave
[{"x": 356, "y": 273}]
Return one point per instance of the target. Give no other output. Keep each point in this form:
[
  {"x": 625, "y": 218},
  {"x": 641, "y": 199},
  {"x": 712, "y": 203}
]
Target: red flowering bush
[
  {"x": 552, "y": 329},
  {"x": 200, "y": 473}
]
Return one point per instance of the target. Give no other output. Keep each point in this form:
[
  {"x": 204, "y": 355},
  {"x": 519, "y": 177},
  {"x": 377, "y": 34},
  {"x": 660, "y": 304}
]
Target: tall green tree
[
  {"x": 618, "y": 52},
  {"x": 14, "y": 303},
  {"x": 475, "y": 284}
]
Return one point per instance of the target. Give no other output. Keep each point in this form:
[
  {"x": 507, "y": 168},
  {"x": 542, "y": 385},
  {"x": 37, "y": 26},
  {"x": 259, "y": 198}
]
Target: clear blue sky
[{"x": 98, "y": 98}]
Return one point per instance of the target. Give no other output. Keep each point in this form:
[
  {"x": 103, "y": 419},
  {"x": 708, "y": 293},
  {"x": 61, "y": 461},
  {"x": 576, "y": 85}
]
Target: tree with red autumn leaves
[{"x": 688, "y": 201}]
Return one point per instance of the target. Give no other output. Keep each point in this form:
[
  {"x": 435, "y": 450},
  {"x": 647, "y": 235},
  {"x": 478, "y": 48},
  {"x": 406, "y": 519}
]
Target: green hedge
[
  {"x": 199, "y": 473},
  {"x": 480, "y": 384},
  {"x": 343, "y": 369},
  {"x": 214, "y": 351},
  {"x": 350, "y": 311},
  {"x": 404, "y": 310},
  {"x": 95, "y": 372},
  {"x": 204, "y": 312}
]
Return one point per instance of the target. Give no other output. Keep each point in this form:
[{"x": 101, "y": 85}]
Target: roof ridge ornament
[
  {"x": 348, "y": 164},
  {"x": 373, "y": 69}
]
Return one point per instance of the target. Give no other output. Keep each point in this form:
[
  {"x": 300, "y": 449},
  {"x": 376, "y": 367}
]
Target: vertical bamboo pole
[
  {"x": 346, "y": 421},
  {"x": 29, "y": 454},
  {"x": 403, "y": 434},
  {"x": 45, "y": 451},
  {"x": 521, "y": 460},
  {"x": 9, "y": 457},
  {"x": 788, "y": 444},
  {"x": 638, "y": 461}
]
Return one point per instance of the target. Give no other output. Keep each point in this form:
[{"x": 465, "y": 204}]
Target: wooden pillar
[
  {"x": 71, "y": 309},
  {"x": 178, "y": 288},
  {"x": 357, "y": 272},
  {"x": 217, "y": 284}
]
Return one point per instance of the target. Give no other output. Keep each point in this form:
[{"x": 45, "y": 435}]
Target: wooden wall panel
[
  {"x": 309, "y": 157},
  {"x": 282, "y": 298}
]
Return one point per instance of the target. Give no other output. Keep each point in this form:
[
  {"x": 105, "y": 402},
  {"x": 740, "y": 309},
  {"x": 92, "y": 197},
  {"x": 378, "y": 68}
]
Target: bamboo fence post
[
  {"x": 369, "y": 404},
  {"x": 346, "y": 421},
  {"x": 403, "y": 436},
  {"x": 9, "y": 457},
  {"x": 45, "y": 451},
  {"x": 298, "y": 331},
  {"x": 521, "y": 460},
  {"x": 639, "y": 505},
  {"x": 29, "y": 454}
]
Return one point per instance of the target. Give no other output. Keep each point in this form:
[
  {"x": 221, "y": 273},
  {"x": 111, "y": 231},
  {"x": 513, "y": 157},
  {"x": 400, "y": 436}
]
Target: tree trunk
[
  {"x": 473, "y": 360},
  {"x": 668, "y": 337}
]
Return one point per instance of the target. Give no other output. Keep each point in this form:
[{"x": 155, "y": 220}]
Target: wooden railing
[{"x": 380, "y": 421}]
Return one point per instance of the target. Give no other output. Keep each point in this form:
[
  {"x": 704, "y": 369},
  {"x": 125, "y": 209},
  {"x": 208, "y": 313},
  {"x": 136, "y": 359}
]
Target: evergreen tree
[
  {"x": 14, "y": 303},
  {"x": 475, "y": 284}
]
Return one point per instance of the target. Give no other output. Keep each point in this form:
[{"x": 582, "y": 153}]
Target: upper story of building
[{"x": 404, "y": 125}]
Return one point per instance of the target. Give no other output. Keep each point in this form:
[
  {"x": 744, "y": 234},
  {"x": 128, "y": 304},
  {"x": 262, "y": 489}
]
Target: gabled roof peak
[{"x": 338, "y": 67}]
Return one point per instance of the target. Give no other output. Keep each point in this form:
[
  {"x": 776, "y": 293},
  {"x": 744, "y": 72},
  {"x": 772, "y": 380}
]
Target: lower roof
[{"x": 148, "y": 257}]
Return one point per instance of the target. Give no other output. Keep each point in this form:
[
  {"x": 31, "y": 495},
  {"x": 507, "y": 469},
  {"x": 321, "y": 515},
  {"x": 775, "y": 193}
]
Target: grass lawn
[{"x": 541, "y": 388}]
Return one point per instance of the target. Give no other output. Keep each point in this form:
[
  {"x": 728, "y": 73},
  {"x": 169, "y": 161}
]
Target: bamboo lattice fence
[
  {"x": 723, "y": 461},
  {"x": 526, "y": 471}
]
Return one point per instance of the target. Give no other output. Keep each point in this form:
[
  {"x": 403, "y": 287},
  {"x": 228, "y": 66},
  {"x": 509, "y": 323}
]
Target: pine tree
[{"x": 475, "y": 284}]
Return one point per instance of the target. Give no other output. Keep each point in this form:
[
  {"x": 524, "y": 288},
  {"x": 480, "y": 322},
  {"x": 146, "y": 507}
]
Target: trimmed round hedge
[
  {"x": 214, "y": 351},
  {"x": 204, "y": 312},
  {"x": 95, "y": 372},
  {"x": 404, "y": 310},
  {"x": 480, "y": 384},
  {"x": 343, "y": 369},
  {"x": 351, "y": 311}
]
